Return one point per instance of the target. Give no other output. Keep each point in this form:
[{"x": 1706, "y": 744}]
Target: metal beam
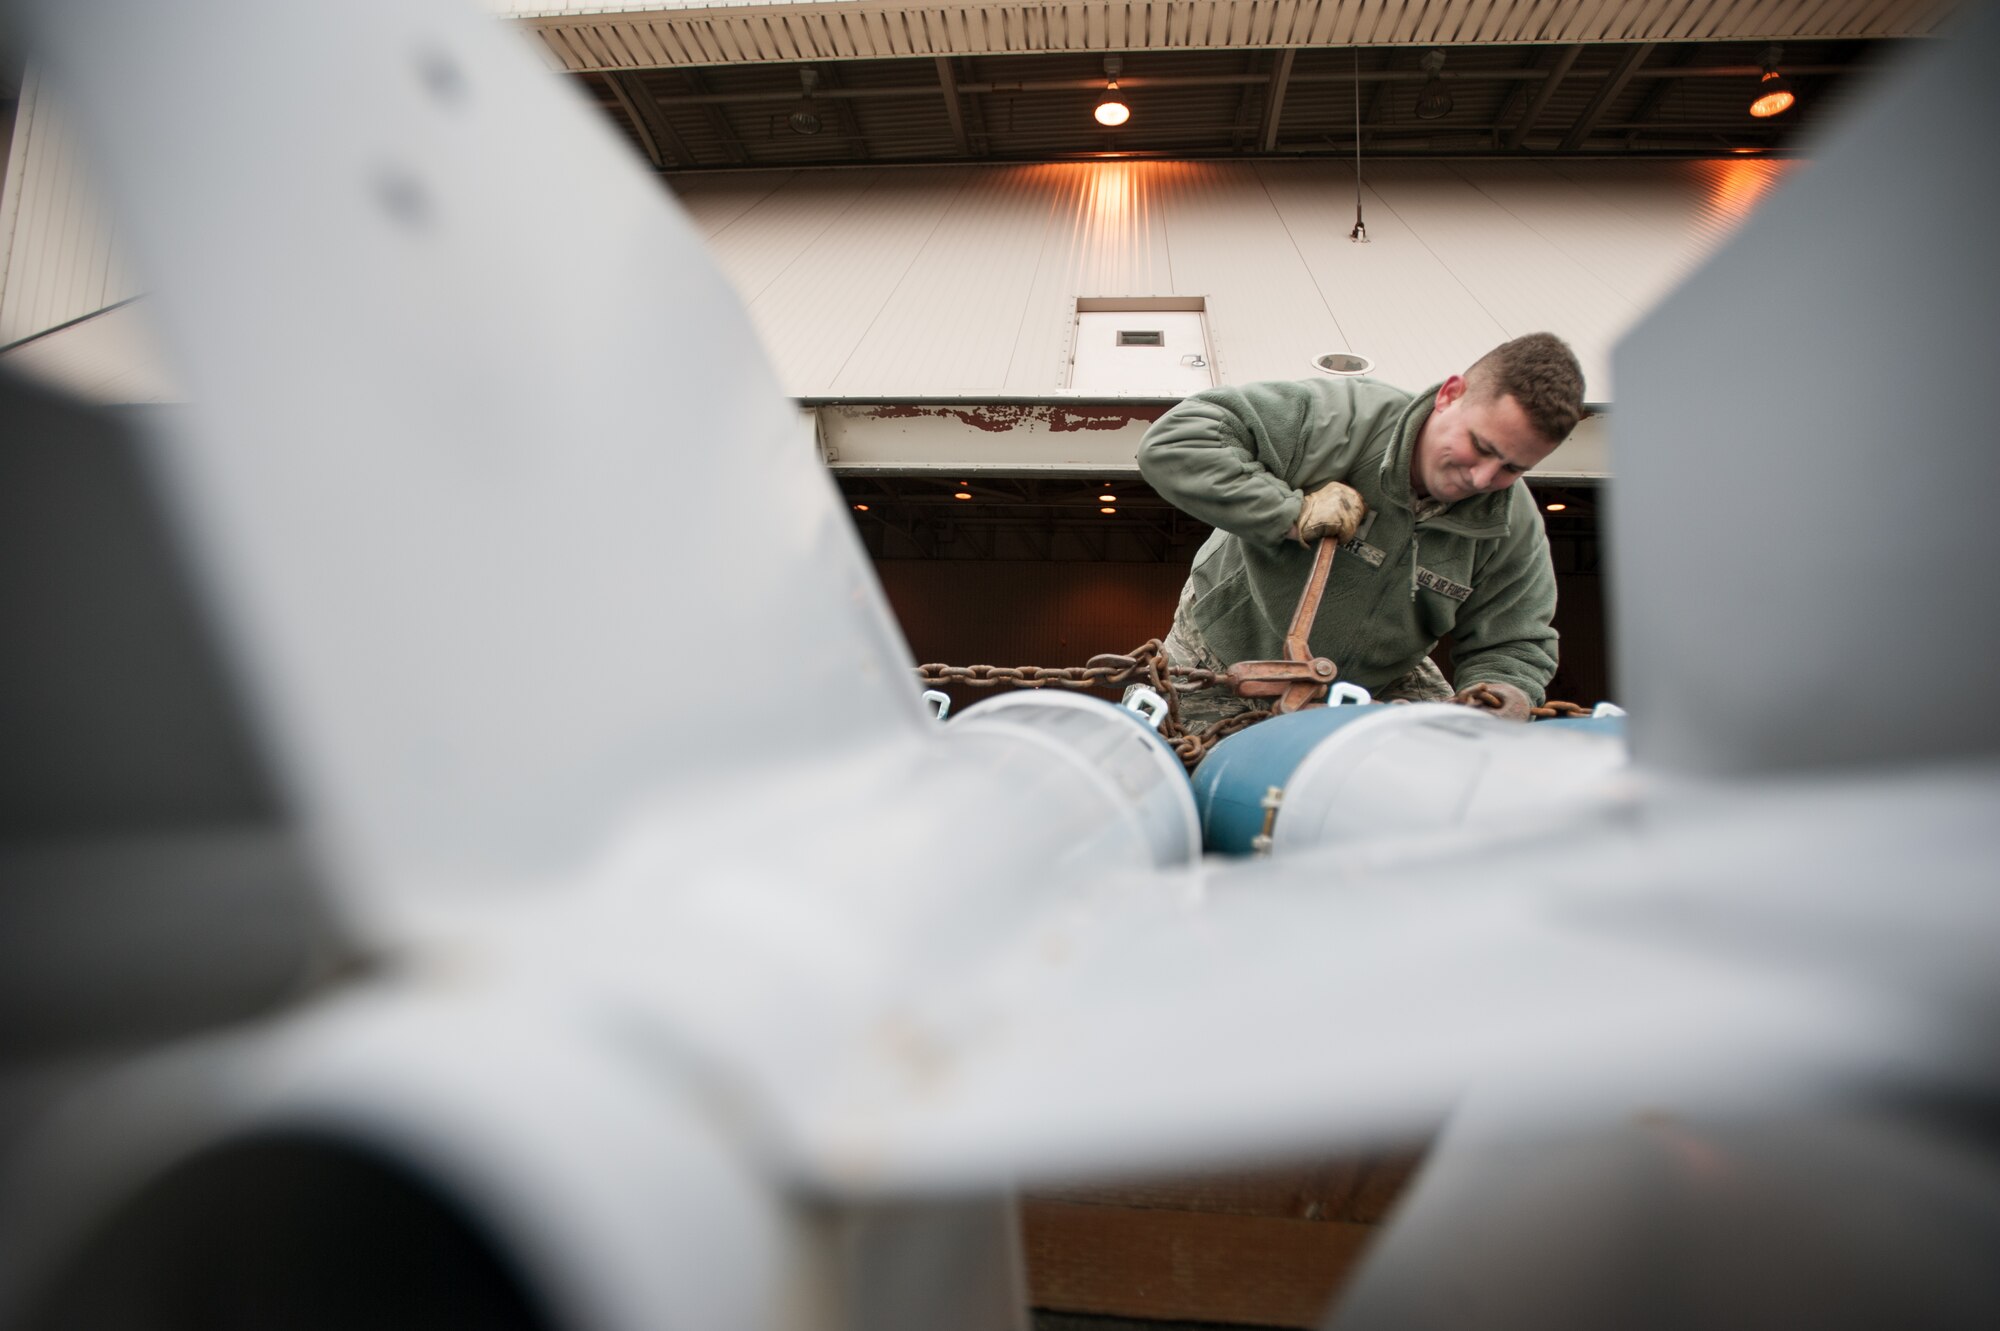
[
  {"x": 717, "y": 121},
  {"x": 1607, "y": 93},
  {"x": 941, "y": 439},
  {"x": 990, "y": 87},
  {"x": 1550, "y": 82},
  {"x": 656, "y": 133},
  {"x": 1274, "y": 102},
  {"x": 1515, "y": 92},
  {"x": 829, "y": 81},
  {"x": 1374, "y": 107},
  {"x": 1661, "y": 87},
  {"x": 948, "y": 81},
  {"x": 975, "y": 118},
  {"x": 1239, "y": 129}
]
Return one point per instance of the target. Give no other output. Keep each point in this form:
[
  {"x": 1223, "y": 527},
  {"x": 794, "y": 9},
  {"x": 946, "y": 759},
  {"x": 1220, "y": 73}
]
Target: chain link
[{"x": 1147, "y": 664}]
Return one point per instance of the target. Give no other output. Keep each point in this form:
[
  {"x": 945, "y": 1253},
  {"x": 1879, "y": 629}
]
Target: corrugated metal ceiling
[
  {"x": 1684, "y": 99},
  {"x": 601, "y": 37}
]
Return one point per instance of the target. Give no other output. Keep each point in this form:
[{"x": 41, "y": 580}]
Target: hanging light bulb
[
  {"x": 1773, "y": 93},
  {"x": 1111, "y": 109},
  {"x": 1433, "y": 99},
  {"x": 805, "y": 120}
]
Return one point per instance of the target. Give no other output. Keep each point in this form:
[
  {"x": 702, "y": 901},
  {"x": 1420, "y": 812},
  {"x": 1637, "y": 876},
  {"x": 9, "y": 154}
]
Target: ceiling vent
[{"x": 1341, "y": 362}]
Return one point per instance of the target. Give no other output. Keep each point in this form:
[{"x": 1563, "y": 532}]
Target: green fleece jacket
[{"x": 1476, "y": 572}]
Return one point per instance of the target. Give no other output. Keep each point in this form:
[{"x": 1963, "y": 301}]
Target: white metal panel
[
  {"x": 1141, "y": 352},
  {"x": 1610, "y": 243},
  {"x": 1106, "y": 237},
  {"x": 816, "y": 314},
  {"x": 957, "y": 308},
  {"x": 1393, "y": 299},
  {"x": 56, "y": 256},
  {"x": 755, "y": 246},
  {"x": 930, "y": 282},
  {"x": 1694, "y": 206},
  {"x": 1232, "y": 247},
  {"x": 713, "y": 202},
  {"x": 662, "y": 33},
  {"x": 1522, "y": 279},
  {"x": 110, "y": 358}
]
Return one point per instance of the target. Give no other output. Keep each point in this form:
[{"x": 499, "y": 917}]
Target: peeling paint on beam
[
  {"x": 969, "y": 438},
  {"x": 1029, "y": 438}
]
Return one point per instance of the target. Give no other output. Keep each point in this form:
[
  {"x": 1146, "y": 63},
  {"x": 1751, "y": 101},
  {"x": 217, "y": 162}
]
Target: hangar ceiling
[
  {"x": 1505, "y": 100},
  {"x": 718, "y": 87}
]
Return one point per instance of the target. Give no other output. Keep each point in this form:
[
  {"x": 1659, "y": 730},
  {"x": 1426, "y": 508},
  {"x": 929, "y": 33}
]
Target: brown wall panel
[
  {"x": 1186, "y": 1265},
  {"x": 1027, "y": 612},
  {"x": 1584, "y": 674}
]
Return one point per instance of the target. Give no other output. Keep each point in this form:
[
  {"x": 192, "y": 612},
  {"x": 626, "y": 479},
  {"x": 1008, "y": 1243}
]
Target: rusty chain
[
  {"x": 1147, "y": 664},
  {"x": 1488, "y": 699}
]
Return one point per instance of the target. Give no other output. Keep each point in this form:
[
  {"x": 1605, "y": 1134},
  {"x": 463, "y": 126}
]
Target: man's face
[{"x": 1474, "y": 444}]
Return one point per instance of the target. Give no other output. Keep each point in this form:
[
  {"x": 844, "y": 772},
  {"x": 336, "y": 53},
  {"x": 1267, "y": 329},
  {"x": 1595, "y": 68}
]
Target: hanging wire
[{"x": 1360, "y": 233}]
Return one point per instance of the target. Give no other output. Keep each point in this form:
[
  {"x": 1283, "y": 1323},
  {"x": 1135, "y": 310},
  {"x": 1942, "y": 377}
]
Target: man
[{"x": 1437, "y": 537}]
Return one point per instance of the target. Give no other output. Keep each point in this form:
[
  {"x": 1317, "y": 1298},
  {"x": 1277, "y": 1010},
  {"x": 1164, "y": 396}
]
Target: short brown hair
[{"x": 1540, "y": 372}]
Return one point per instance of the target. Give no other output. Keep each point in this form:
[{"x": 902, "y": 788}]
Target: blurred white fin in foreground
[{"x": 500, "y": 534}]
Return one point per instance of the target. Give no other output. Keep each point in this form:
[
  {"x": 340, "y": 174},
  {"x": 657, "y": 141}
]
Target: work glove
[
  {"x": 1332, "y": 510},
  {"x": 1503, "y": 700}
]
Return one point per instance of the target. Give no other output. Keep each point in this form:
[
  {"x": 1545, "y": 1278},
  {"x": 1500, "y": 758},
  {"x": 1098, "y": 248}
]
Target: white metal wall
[
  {"x": 963, "y": 281},
  {"x": 57, "y": 259}
]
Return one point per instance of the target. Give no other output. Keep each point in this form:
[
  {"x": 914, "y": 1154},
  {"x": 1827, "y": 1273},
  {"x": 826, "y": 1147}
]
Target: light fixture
[
  {"x": 1107, "y": 510},
  {"x": 1433, "y": 99},
  {"x": 1557, "y": 508},
  {"x": 961, "y": 495},
  {"x": 1111, "y": 109},
  {"x": 1343, "y": 362},
  {"x": 805, "y": 120},
  {"x": 1360, "y": 233},
  {"x": 1107, "y": 499},
  {"x": 861, "y": 508},
  {"x": 1773, "y": 93}
]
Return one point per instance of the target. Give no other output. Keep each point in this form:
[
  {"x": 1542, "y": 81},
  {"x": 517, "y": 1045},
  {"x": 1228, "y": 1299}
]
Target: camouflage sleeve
[
  {"x": 1504, "y": 634},
  {"x": 1229, "y": 457}
]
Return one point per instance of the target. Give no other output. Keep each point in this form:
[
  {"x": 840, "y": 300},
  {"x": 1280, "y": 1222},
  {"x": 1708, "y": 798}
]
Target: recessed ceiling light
[
  {"x": 1343, "y": 362},
  {"x": 1108, "y": 499},
  {"x": 961, "y": 495},
  {"x": 1107, "y": 510},
  {"x": 1557, "y": 508},
  {"x": 861, "y": 508}
]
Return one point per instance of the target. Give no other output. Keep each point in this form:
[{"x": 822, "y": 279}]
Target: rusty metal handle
[
  {"x": 1296, "y": 648},
  {"x": 1300, "y": 679}
]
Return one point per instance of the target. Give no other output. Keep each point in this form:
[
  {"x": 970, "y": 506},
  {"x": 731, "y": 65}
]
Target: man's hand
[
  {"x": 1503, "y": 700},
  {"x": 1332, "y": 510}
]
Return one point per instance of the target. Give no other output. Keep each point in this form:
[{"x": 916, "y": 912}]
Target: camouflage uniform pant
[{"x": 1202, "y": 708}]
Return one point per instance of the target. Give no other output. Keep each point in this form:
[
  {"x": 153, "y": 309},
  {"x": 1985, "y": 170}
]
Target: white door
[{"x": 1154, "y": 352}]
